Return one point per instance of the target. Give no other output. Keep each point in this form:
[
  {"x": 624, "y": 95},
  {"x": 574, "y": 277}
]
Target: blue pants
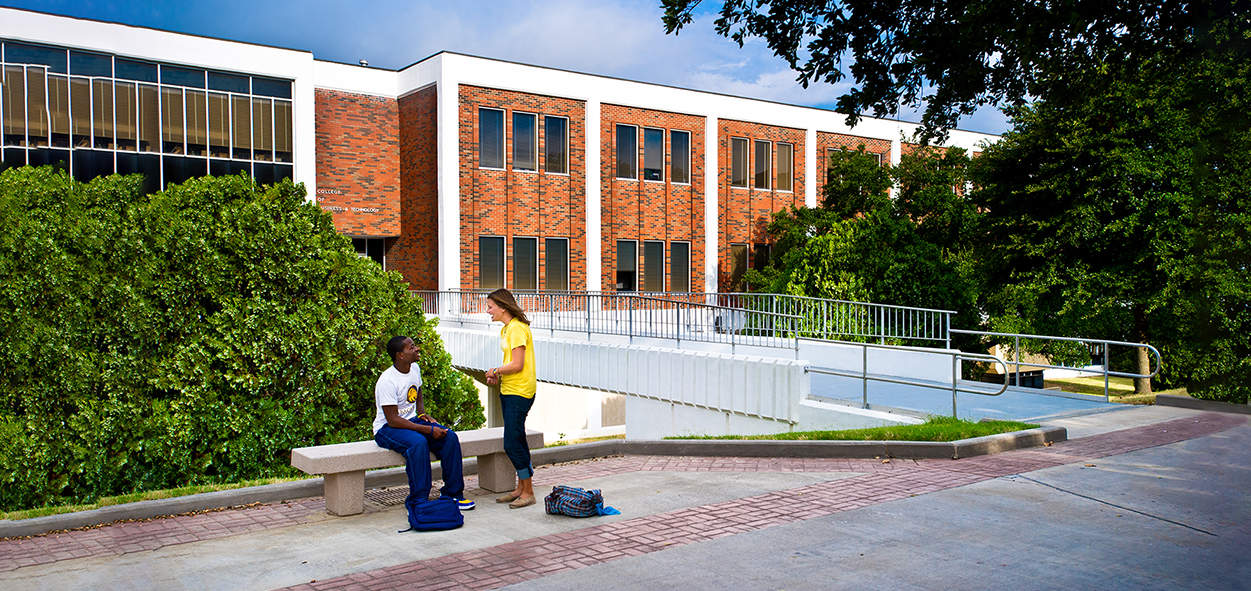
[
  {"x": 515, "y": 409},
  {"x": 416, "y": 449}
]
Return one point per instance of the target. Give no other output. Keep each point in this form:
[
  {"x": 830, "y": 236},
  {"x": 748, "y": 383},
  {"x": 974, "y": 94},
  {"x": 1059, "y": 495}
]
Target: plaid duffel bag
[{"x": 576, "y": 502}]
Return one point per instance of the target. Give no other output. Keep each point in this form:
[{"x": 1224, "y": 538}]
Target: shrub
[{"x": 187, "y": 337}]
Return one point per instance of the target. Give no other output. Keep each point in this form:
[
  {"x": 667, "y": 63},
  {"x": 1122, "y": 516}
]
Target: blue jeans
[
  {"x": 515, "y": 409},
  {"x": 416, "y": 449}
]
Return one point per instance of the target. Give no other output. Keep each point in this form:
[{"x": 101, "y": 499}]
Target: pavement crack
[{"x": 1121, "y": 507}]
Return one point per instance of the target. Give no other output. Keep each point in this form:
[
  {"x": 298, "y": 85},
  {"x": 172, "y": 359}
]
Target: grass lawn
[
  {"x": 934, "y": 429},
  {"x": 1119, "y": 389},
  {"x": 141, "y": 496}
]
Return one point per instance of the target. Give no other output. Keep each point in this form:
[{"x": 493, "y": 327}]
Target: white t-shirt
[{"x": 399, "y": 389}]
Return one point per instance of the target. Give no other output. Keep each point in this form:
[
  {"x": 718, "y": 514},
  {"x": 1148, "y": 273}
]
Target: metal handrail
[
  {"x": 1107, "y": 372},
  {"x": 957, "y": 358}
]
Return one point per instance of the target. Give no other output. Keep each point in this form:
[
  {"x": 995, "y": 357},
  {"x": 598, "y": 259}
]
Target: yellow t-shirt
[{"x": 516, "y": 334}]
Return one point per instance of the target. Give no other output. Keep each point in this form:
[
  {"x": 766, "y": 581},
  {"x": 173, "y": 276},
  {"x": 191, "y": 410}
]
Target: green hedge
[{"x": 191, "y": 336}]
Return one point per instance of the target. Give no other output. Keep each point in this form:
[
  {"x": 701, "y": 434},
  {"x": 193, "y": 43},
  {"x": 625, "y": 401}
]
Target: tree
[
  {"x": 956, "y": 56},
  {"x": 1121, "y": 209},
  {"x": 191, "y": 336}
]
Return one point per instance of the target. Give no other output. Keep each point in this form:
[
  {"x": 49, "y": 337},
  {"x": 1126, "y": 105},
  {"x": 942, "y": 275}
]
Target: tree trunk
[{"x": 1141, "y": 357}]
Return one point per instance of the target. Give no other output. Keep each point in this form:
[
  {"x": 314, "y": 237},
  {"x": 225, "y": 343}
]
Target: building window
[
  {"x": 490, "y": 138},
  {"x": 680, "y": 266},
  {"x": 556, "y": 264},
  {"x": 653, "y": 266},
  {"x": 680, "y": 147},
  {"x": 627, "y": 152},
  {"x": 555, "y": 144},
  {"x": 371, "y": 248},
  {"x": 761, "y": 255},
  {"x": 627, "y": 265},
  {"x": 653, "y": 154},
  {"x": 490, "y": 262},
  {"x": 738, "y": 266},
  {"x": 738, "y": 162},
  {"x": 786, "y": 167},
  {"x": 764, "y": 162},
  {"x": 525, "y": 142},
  {"x": 526, "y": 263}
]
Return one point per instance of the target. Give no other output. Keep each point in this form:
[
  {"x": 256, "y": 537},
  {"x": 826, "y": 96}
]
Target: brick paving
[{"x": 877, "y": 481}]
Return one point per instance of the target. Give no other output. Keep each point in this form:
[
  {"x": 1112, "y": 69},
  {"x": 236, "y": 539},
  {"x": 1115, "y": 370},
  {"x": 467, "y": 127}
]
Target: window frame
[
  {"x": 738, "y": 281},
  {"x": 617, "y": 265},
  {"x": 672, "y": 275},
  {"x": 755, "y": 163},
  {"x": 546, "y": 170},
  {"x": 673, "y": 153},
  {"x": 547, "y": 257},
  {"x": 617, "y": 127},
  {"x": 502, "y": 138},
  {"x": 534, "y": 145},
  {"x": 503, "y": 259},
  {"x": 647, "y": 261},
  {"x": 746, "y": 143},
  {"x": 643, "y": 169},
  {"x": 777, "y": 155},
  {"x": 535, "y": 241}
]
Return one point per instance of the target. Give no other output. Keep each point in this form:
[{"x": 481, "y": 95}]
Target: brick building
[{"x": 457, "y": 171}]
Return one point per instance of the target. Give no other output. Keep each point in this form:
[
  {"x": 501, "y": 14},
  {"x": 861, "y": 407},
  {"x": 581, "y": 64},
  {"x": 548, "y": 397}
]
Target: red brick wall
[
  {"x": 827, "y": 141},
  {"x": 744, "y": 213},
  {"x": 358, "y": 162},
  {"x": 634, "y": 209},
  {"x": 415, "y": 254},
  {"x": 512, "y": 203}
]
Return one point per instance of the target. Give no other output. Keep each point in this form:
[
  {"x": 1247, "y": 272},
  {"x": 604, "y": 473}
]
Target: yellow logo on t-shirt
[{"x": 413, "y": 394}]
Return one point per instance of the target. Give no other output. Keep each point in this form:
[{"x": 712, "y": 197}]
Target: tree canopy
[{"x": 952, "y": 57}]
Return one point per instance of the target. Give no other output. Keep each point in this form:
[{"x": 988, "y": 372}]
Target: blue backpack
[
  {"x": 576, "y": 502},
  {"x": 433, "y": 515}
]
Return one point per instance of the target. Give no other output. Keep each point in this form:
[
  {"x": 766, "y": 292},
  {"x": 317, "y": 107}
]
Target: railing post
[
  {"x": 586, "y": 302},
  {"x": 881, "y": 325},
  {"x": 630, "y": 322},
  {"x": 955, "y": 375},
  {"x": 1016, "y": 353},
  {"x": 864, "y": 376},
  {"x": 1106, "y": 398}
]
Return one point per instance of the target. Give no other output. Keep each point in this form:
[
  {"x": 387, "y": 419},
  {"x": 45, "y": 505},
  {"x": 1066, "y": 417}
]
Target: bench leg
[
  {"x": 345, "y": 492},
  {"x": 496, "y": 473}
]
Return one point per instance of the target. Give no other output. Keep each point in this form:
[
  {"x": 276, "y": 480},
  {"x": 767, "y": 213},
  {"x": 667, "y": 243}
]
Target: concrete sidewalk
[{"x": 1139, "y": 497}]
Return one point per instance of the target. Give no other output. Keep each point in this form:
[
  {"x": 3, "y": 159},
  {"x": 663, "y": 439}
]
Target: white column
[
  {"x": 896, "y": 153},
  {"x": 711, "y": 172},
  {"x": 594, "y": 233},
  {"x": 448, "y": 89},
  {"x": 810, "y": 167}
]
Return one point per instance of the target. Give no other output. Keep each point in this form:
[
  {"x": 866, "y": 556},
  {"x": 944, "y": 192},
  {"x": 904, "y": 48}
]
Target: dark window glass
[
  {"x": 102, "y": 114},
  {"x": 491, "y": 139},
  {"x": 126, "y": 101},
  {"x": 20, "y": 53},
  {"x": 264, "y": 173},
  {"x": 490, "y": 262},
  {"x": 58, "y": 159},
  {"x": 182, "y": 76},
  {"x": 653, "y": 266},
  {"x": 171, "y": 122},
  {"x": 653, "y": 154},
  {"x": 89, "y": 164},
  {"x": 282, "y": 131},
  {"x": 680, "y": 145},
  {"x": 627, "y": 265},
  {"x": 556, "y": 264},
  {"x": 761, "y": 254},
  {"x": 179, "y": 170},
  {"x": 241, "y": 127},
  {"x": 149, "y": 119},
  {"x": 738, "y": 162},
  {"x": 197, "y": 122},
  {"x": 283, "y": 171},
  {"x": 219, "y": 125},
  {"x": 14, "y": 89},
  {"x": 36, "y": 107},
  {"x": 738, "y": 266},
  {"x": 786, "y": 167},
  {"x": 556, "y": 144},
  {"x": 90, "y": 64},
  {"x": 271, "y": 87},
  {"x": 371, "y": 248},
  {"x": 627, "y": 152},
  {"x": 227, "y": 82},
  {"x": 829, "y": 163},
  {"x": 133, "y": 70},
  {"x": 14, "y": 157},
  {"x": 262, "y": 129},
  {"x": 229, "y": 167},
  {"x": 148, "y": 165},
  {"x": 80, "y": 112},
  {"x": 680, "y": 266},
  {"x": 764, "y": 162},
  {"x": 525, "y": 263},
  {"x": 525, "y": 141}
]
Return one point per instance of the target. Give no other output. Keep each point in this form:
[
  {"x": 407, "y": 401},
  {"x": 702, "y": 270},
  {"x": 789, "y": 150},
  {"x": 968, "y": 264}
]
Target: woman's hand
[{"x": 492, "y": 376}]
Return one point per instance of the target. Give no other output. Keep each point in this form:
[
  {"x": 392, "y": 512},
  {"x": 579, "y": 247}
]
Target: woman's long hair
[{"x": 504, "y": 299}]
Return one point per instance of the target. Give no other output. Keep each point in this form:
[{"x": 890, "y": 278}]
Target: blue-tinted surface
[
  {"x": 135, "y": 70},
  {"x": 90, "y": 64},
  {"x": 20, "y": 53},
  {"x": 268, "y": 87}
]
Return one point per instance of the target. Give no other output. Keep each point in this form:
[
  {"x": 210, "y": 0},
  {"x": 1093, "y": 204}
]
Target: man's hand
[{"x": 437, "y": 433}]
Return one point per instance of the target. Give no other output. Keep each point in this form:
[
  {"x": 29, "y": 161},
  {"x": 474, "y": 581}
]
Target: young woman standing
[{"x": 517, "y": 388}]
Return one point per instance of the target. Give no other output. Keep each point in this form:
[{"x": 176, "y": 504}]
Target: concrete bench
[{"x": 344, "y": 465}]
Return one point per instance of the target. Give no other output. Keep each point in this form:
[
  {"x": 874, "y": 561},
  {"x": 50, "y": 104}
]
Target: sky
[{"x": 621, "y": 38}]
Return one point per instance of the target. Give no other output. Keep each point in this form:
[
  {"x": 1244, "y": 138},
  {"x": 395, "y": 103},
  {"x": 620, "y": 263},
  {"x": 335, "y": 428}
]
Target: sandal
[
  {"x": 521, "y": 502},
  {"x": 508, "y": 497}
]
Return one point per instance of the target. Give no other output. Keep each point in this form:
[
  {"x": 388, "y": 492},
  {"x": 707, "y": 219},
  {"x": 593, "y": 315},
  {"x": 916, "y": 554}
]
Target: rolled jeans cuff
[{"x": 525, "y": 473}]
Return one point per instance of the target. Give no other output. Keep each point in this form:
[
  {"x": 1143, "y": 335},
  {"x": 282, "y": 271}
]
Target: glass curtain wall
[{"x": 95, "y": 114}]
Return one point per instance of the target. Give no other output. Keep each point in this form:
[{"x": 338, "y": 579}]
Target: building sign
[{"x": 341, "y": 209}]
